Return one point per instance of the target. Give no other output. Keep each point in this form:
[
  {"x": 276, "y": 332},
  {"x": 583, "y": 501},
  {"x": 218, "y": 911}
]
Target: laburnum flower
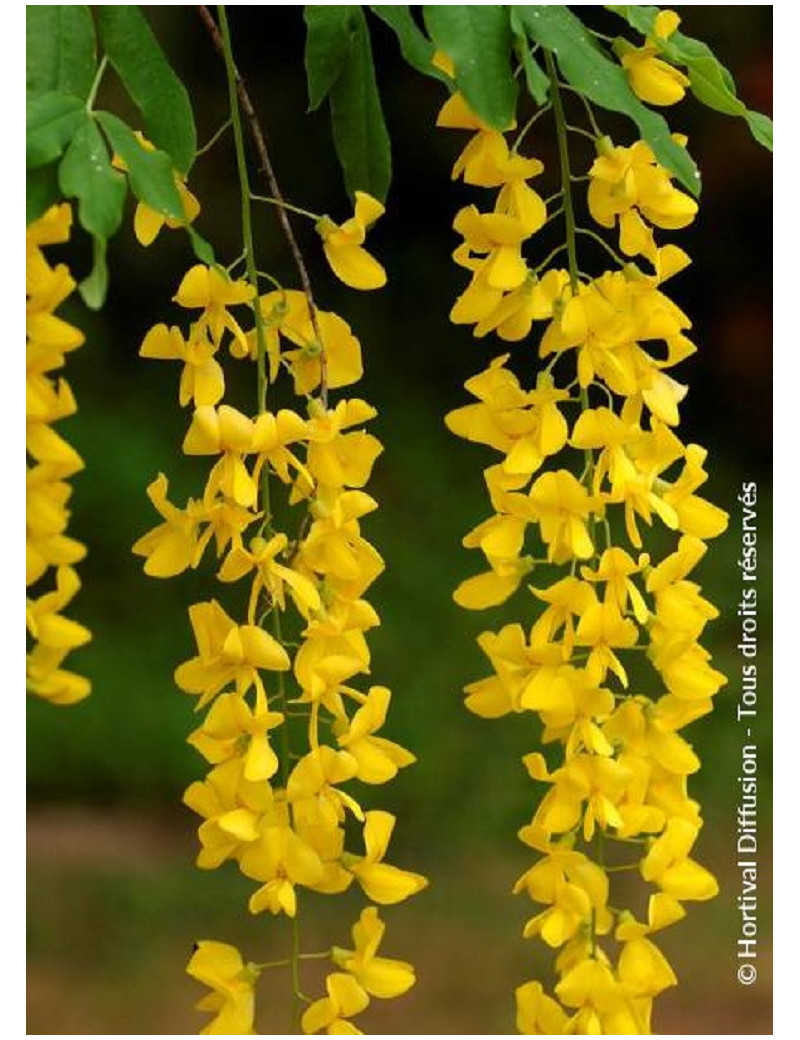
[
  {"x": 525, "y": 426},
  {"x": 344, "y": 245},
  {"x": 624, "y": 179},
  {"x": 315, "y": 779},
  {"x": 231, "y": 981},
  {"x": 280, "y": 859},
  {"x": 574, "y": 889},
  {"x": 500, "y": 236},
  {"x": 382, "y": 882},
  {"x": 345, "y": 999},
  {"x": 652, "y": 79},
  {"x": 210, "y": 290},
  {"x": 525, "y": 672},
  {"x": 537, "y": 1013},
  {"x": 233, "y": 810},
  {"x": 377, "y": 758},
  {"x": 380, "y": 977},
  {"x": 227, "y": 432},
  {"x": 227, "y": 653},
  {"x": 535, "y": 300},
  {"x": 43, "y": 615},
  {"x": 668, "y": 865},
  {"x": 643, "y": 969},
  {"x": 561, "y": 506},
  {"x": 202, "y": 380},
  {"x": 177, "y": 543},
  {"x": 501, "y": 539},
  {"x": 148, "y": 222},
  {"x": 232, "y": 723},
  {"x": 292, "y": 320},
  {"x": 270, "y": 576}
]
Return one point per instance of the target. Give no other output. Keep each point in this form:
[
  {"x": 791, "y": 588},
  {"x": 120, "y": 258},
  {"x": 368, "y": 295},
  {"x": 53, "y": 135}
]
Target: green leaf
[
  {"x": 639, "y": 16},
  {"x": 479, "y": 41},
  {"x": 59, "y": 49},
  {"x": 710, "y": 87},
  {"x": 50, "y": 122},
  {"x": 41, "y": 191},
  {"x": 535, "y": 77},
  {"x": 359, "y": 130},
  {"x": 760, "y": 127},
  {"x": 94, "y": 286},
  {"x": 86, "y": 173},
  {"x": 150, "y": 172},
  {"x": 202, "y": 249},
  {"x": 602, "y": 81},
  {"x": 415, "y": 46},
  {"x": 147, "y": 76},
  {"x": 331, "y": 32}
]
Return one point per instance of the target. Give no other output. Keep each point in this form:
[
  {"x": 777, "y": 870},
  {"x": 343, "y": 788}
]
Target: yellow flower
[
  {"x": 538, "y": 1014},
  {"x": 668, "y": 865},
  {"x": 210, "y": 290},
  {"x": 231, "y": 728},
  {"x": 652, "y": 79},
  {"x": 287, "y": 313},
  {"x": 227, "y": 653},
  {"x": 382, "y": 883},
  {"x": 202, "y": 380},
  {"x": 379, "y": 976},
  {"x": 176, "y": 544},
  {"x": 231, "y": 981},
  {"x": 378, "y": 759},
  {"x": 345, "y": 999},
  {"x": 343, "y": 245}
]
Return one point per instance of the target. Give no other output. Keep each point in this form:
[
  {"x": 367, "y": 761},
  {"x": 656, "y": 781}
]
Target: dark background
[{"x": 115, "y": 902}]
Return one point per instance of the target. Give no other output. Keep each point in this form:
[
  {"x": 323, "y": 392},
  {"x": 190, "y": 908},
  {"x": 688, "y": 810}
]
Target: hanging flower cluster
[
  {"x": 51, "y": 461},
  {"x": 274, "y": 799},
  {"x": 612, "y": 664}
]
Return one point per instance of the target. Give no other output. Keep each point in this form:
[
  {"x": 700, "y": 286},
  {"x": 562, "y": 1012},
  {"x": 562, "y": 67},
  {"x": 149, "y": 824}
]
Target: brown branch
[{"x": 268, "y": 170}]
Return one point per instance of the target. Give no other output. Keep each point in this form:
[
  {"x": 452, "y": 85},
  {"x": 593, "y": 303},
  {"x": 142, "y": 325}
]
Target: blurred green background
[{"x": 114, "y": 901}]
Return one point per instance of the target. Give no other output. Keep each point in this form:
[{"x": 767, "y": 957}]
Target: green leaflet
[
  {"x": 51, "y": 120},
  {"x": 150, "y": 173},
  {"x": 535, "y": 78},
  {"x": 41, "y": 191},
  {"x": 86, "y": 173},
  {"x": 760, "y": 127},
  {"x": 710, "y": 82},
  {"x": 479, "y": 41},
  {"x": 148, "y": 77},
  {"x": 330, "y": 34},
  {"x": 415, "y": 46},
  {"x": 59, "y": 49},
  {"x": 94, "y": 286},
  {"x": 359, "y": 130},
  {"x": 201, "y": 248},
  {"x": 587, "y": 68}
]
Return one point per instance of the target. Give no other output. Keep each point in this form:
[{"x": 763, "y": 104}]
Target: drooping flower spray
[
  {"x": 51, "y": 461},
  {"x": 589, "y": 452},
  {"x": 286, "y": 726}
]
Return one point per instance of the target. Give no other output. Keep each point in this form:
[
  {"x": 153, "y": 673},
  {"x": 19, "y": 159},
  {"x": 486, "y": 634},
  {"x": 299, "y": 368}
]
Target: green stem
[
  {"x": 572, "y": 251},
  {"x": 261, "y": 363},
  {"x": 297, "y": 993},
  {"x": 213, "y": 139},
  {"x": 101, "y": 68},
  {"x": 602, "y": 242},
  {"x": 287, "y": 205}
]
